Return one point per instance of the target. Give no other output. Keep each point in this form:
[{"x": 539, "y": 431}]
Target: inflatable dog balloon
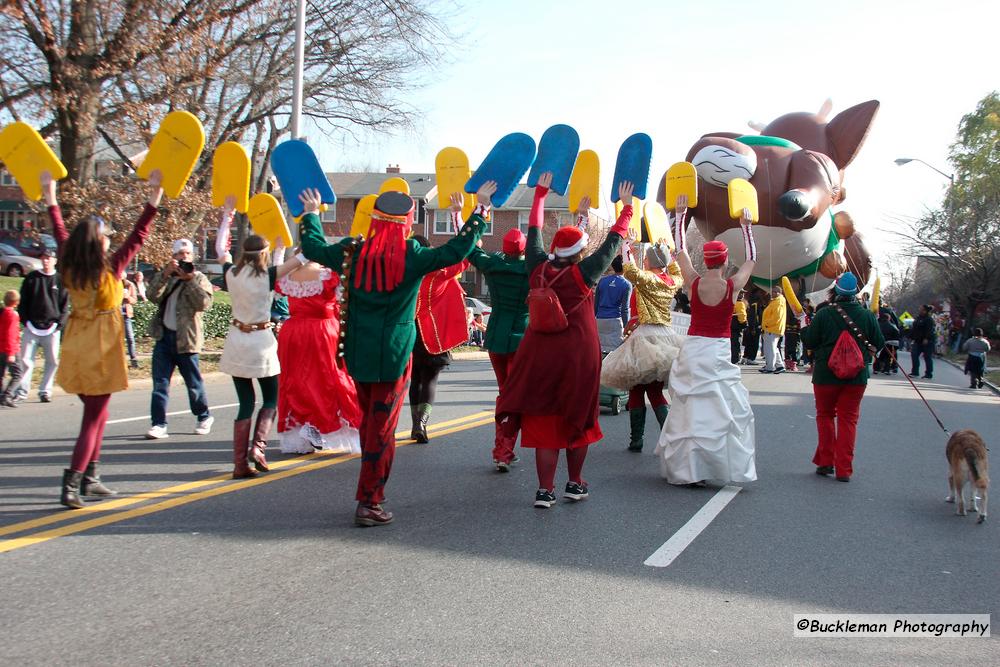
[{"x": 797, "y": 166}]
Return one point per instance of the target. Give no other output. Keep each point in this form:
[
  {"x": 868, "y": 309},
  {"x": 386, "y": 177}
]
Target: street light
[{"x": 900, "y": 161}]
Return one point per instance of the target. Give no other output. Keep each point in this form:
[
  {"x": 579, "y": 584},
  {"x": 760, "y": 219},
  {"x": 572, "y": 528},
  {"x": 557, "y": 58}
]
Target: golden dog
[{"x": 966, "y": 454}]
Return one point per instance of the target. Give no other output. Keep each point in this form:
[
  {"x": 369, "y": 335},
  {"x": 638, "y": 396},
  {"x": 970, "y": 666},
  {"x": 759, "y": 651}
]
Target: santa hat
[
  {"x": 514, "y": 242},
  {"x": 716, "y": 254},
  {"x": 383, "y": 256},
  {"x": 567, "y": 242}
]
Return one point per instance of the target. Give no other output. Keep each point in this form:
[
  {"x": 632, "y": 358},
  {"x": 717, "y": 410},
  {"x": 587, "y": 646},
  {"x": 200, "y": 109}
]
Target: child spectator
[{"x": 10, "y": 345}]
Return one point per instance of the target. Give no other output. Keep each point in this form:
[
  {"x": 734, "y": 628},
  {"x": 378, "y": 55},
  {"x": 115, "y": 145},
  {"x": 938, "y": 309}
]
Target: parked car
[
  {"x": 14, "y": 263},
  {"x": 479, "y": 308},
  {"x": 27, "y": 245}
]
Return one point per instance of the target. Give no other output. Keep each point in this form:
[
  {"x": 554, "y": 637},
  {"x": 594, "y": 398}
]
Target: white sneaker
[
  {"x": 204, "y": 427},
  {"x": 157, "y": 433}
]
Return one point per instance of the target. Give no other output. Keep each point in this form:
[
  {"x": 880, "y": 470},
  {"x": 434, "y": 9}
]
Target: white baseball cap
[{"x": 180, "y": 245}]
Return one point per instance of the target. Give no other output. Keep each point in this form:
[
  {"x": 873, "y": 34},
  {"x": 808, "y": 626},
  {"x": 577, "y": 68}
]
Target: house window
[
  {"x": 329, "y": 215},
  {"x": 443, "y": 224},
  {"x": 522, "y": 221},
  {"x": 6, "y": 178}
]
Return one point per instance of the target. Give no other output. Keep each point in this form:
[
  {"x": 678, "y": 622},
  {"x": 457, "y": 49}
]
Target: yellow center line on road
[{"x": 459, "y": 424}]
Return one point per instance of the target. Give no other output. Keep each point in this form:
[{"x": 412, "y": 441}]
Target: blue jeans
[
  {"x": 129, "y": 337},
  {"x": 165, "y": 359}
]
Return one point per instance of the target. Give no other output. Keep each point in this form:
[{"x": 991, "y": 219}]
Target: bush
[{"x": 216, "y": 319}]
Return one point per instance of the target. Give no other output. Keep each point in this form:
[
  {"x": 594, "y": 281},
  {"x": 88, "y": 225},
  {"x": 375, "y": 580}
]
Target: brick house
[
  {"x": 434, "y": 222},
  {"x": 15, "y": 215}
]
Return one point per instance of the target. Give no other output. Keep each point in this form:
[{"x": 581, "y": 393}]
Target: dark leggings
[
  {"x": 653, "y": 390},
  {"x": 247, "y": 398},
  {"x": 88, "y": 443},
  {"x": 546, "y": 461},
  {"x": 423, "y": 384}
]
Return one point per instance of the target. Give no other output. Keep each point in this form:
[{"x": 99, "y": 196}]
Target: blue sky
[{"x": 678, "y": 70}]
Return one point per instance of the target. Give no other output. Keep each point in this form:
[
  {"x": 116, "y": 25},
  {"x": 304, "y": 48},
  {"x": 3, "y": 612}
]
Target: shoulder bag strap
[{"x": 855, "y": 331}]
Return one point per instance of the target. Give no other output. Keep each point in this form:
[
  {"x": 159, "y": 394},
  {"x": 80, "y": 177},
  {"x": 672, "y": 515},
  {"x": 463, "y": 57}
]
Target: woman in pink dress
[{"x": 317, "y": 402}]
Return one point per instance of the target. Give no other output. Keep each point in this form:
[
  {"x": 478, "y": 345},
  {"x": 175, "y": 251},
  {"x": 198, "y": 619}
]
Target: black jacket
[
  {"x": 44, "y": 300},
  {"x": 923, "y": 328},
  {"x": 889, "y": 331}
]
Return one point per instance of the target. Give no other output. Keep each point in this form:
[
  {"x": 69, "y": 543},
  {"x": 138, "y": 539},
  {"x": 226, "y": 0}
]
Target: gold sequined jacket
[{"x": 653, "y": 296}]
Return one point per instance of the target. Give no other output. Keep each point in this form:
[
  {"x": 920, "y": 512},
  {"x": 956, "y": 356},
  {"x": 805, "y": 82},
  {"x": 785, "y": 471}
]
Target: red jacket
[{"x": 10, "y": 333}]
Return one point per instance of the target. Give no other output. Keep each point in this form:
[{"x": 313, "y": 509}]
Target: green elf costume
[
  {"x": 380, "y": 332},
  {"x": 506, "y": 275}
]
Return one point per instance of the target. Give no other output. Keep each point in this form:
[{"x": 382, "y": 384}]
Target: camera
[{"x": 186, "y": 267}]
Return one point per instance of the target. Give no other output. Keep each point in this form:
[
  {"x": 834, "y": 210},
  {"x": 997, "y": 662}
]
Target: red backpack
[
  {"x": 846, "y": 359},
  {"x": 545, "y": 311}
]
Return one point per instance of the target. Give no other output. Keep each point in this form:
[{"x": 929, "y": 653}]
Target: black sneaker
[
  {"x": 45, "y": 398},
  {"x": 544, "y": 499},
  {"x": 8, "y": 402},
  {"x": 502, "y": 466},
  {"x": 764, "y": 370},
  {"x": 824, "y": 470},
  {"x": 576, "y": 491}
]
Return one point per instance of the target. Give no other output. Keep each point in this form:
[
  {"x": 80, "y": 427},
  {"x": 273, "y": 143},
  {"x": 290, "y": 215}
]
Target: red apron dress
[{"x": 555, "y": 378}]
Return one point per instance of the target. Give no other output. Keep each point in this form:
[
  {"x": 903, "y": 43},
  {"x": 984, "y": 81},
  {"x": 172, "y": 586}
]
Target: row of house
[{"x": 431, "y": 220}]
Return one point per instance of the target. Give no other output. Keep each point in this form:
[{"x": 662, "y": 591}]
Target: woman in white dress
[
  {"x": 709, "y": 432},
  {"x": 251, "y": 349}
]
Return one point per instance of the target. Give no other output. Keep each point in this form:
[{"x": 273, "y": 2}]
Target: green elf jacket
[
  {"x": 507, "y": 280},
  {"x": 380, "y": 331},
  {"x": 822, "y": 333}
]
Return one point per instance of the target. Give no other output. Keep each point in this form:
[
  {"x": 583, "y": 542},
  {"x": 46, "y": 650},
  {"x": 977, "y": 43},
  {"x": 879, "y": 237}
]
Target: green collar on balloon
[
  {"x": 764, "y": 140},
  {"x": 832, "y": 243}
]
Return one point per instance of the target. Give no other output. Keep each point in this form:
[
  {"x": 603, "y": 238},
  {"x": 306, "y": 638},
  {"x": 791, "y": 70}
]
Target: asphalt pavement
[{"x": 188, "y": 567}]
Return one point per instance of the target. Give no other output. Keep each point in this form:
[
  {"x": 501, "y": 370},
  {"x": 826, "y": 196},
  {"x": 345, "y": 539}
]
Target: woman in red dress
[
  {"x": 317, "y": 402},
  {"x": 552, "y": 389}
]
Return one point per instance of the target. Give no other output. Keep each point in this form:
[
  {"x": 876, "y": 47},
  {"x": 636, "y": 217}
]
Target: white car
[
  {"x": 479, "y": 308},
  {"x": 13, "y": 263}
]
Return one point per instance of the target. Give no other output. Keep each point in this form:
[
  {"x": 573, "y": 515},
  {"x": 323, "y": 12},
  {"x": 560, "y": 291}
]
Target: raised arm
[
  {"x": 534, "y": 251},
  {"x": 750, "y": 252},
  {"x": 426, "y": 260},
  {"x": 688, "y": 274},
  {"x": 598, "y": 262},
  {"x": 55, "y": 214},
  {"x": 313, "y": 243},
  {"x": 127, "y": 252}
]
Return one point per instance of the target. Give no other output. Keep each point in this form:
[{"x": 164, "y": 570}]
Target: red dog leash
[{"x": 892, "y": 353}]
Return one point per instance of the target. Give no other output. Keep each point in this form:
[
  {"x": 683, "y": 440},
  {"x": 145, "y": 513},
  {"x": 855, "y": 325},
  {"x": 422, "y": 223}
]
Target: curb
[
  {"x": 989, "y": 385},
  {"x": 473, "y": 356}
]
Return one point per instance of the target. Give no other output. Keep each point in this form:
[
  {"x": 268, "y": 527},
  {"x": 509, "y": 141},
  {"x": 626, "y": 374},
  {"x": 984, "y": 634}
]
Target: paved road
[{"x": 189, "y": 568}]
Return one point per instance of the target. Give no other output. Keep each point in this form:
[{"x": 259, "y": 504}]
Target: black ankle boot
[
  {"x": 420, "y": 425},
  {"x": 637, "y": 418},
  {"x": 91, "y": 484},
  {"x": 71, "y": 489}
]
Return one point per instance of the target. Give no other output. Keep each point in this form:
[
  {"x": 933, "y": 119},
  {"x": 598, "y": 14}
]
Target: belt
[{"x": 250, "y": 328}]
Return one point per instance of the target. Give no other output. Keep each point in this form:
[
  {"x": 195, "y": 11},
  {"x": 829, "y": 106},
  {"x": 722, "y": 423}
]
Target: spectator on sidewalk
[
  {"x": 129, "y": 296},
  {"x": 10, "y": 344},
  {"x": 887, "y": 355},
  {"x": 737, "y": 324},
  {"x": 975, "y": 364},
  {"x": 182, "y": 294},
  {"x": 751, "y": 335},
  {"x": 140, "y": 285},
  {"x": 773, "y": 325},
  {"x": 924, "y": 336},
  {"x": 43, "y": 311}
]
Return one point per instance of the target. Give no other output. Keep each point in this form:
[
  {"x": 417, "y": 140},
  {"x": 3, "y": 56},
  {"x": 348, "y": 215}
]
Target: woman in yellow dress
[{"x": 92, "y": 362}]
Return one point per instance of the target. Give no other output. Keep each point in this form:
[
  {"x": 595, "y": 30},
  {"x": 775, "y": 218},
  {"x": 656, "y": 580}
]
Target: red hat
[
  {"x": 568, "y": 241},
  {"x": 716, "y": 254},
  {"x": 514, "y": 242}
]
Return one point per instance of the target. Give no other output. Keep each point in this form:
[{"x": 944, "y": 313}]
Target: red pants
[
  {"x": 506, "y": 435},
  {"x": 653, "y": 391},
  {"x": 838, "y": 407},
  {"x": 380, "y": 403},
  {"x": 88, "y": 443}
]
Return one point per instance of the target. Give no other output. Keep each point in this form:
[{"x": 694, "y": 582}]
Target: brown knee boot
[
  {"x": 256, "y": 454},
  {"x": 241, "y": 442}
]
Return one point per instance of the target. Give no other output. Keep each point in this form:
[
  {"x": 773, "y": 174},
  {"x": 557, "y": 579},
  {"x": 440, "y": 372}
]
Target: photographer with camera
[{"x": 182, "y": 294}]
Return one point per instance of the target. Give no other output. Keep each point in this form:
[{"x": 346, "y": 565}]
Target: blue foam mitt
[
  {"x": 557, "y": 152},
  {"x": 506, "y": 163},
  {"x": 295, "y": 166},
  {"x": 634, "y": 158}
]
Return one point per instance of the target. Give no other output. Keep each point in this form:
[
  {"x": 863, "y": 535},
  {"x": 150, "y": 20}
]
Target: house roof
[{"x": 355, "y": 185}]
